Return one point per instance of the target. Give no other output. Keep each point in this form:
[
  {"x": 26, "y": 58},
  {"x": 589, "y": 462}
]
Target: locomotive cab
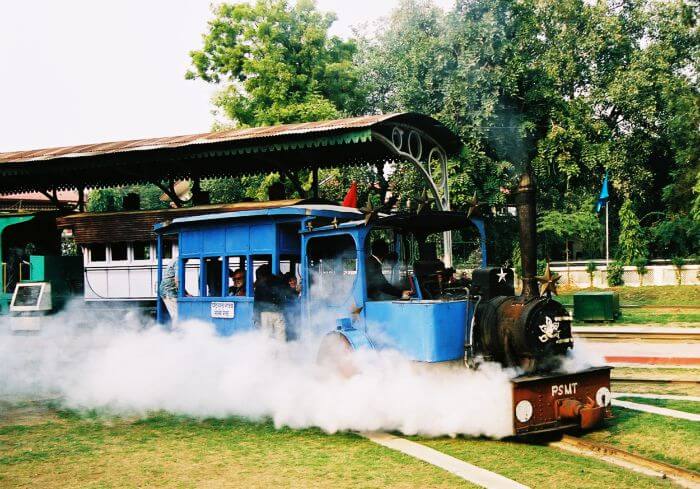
[{"x": 429, "y": 322}]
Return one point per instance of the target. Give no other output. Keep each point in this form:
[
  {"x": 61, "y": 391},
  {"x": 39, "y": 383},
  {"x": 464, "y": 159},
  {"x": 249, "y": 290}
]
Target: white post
[{"x": 607, "y": 238}]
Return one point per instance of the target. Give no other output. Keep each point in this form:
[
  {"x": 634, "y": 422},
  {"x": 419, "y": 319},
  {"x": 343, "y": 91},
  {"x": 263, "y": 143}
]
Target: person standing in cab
[{"x": 378, "y": 287}]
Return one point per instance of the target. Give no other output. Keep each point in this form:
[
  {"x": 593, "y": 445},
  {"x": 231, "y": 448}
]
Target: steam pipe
[{"x": 525, "y": 200}]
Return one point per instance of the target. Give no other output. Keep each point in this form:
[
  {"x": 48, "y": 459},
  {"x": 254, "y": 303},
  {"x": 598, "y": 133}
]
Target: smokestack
[{"x": 526, "y": 199}]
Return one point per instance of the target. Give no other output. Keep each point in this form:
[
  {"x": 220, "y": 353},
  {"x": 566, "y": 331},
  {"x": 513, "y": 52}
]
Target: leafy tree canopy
[{"x": 277, "y": 63}]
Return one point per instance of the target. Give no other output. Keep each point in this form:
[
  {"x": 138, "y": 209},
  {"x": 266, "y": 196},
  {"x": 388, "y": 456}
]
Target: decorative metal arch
[{"x": 429, "y": 157}]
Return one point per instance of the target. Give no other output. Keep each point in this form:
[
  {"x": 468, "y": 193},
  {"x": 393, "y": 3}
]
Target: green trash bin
[{"x": 596, "y": 306}]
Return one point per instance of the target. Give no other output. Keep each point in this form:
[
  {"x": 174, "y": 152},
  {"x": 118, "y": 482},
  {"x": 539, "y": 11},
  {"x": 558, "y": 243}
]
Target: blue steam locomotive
[{"x": 328, "y": 248}]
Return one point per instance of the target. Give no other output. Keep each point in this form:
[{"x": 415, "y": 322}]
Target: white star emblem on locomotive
[
  {"x": 550, "y": 329},
  {"x": 502, "y": 275}
]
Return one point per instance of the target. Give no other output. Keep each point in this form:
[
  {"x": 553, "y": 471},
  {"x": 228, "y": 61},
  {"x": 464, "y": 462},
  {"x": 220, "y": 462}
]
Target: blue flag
[{"x": 604, "y": 195}]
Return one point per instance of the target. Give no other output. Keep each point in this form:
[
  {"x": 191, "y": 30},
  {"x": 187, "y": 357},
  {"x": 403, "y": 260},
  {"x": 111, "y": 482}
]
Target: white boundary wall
[{"x": 658, "y": 274}]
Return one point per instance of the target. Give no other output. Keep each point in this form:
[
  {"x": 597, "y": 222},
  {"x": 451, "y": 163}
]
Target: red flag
[{"x": 350, "y": 199}]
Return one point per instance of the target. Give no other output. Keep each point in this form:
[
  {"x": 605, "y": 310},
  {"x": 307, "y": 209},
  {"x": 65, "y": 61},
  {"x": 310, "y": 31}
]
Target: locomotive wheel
[{"x": 335, "y": 354}]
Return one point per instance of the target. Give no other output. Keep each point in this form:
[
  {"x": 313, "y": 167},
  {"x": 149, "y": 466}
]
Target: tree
[
  {"x": 574, "y": 87},
  {"x": 559, "y": 228},
  {"x": 676, "y": 235},
  {"x": 110, "y": 199},
  {"x": 277, "y": 64},
  {"x": 678, "y": 262},
  {"x": 640, "y": 264},
  {"x": 591, "y": 267},
  {"x": 632, "y": 240}
]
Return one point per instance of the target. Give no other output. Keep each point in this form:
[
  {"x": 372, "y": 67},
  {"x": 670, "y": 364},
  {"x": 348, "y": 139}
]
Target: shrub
[
  {"x": 541, "y": 267},
  {"x": 640, "y": 264},
  {"x": 591, "y": 267},
  {"x": 615, "y": 271},
  {"x": 678, "y": 263}
]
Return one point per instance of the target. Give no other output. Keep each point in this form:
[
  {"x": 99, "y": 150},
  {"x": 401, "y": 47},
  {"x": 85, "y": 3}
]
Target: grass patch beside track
[
  {"x": 539, "y": 465},
  {"x": 657, "y": 373},
  {"x": 70, "y": 450},
  {"x": 677, "y": 389},
  {"x": 666, "y": 295},
  {"x": 664, "y": 317},
  {"x": 686, "y": 406},
  {"x": 675, "y": 441}
]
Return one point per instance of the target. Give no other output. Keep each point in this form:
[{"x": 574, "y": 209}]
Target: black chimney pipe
[{"x": 526, "y": 202}]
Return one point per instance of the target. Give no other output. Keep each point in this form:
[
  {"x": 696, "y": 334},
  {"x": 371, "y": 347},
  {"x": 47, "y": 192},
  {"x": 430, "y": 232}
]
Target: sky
[{"x": 86, "y": 71}]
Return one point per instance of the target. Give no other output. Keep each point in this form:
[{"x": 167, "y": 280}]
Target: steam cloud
[{"x": 124, "y": 365}]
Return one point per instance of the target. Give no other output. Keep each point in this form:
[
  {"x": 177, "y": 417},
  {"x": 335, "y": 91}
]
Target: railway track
[
  {"x": 638, "y": 380},
  {"x": 624, "y": 333},
  {"x": 631, "y": 461}
]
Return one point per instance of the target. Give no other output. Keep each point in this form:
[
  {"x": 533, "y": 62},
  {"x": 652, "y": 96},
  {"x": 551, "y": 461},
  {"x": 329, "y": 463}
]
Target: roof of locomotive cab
[
  {"x": 301, "y": 209},
  {"x": 426, "y": 222}
]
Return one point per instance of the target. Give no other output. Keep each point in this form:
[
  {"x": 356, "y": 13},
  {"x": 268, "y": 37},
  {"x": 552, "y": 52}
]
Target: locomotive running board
[{"x": 563, "y": 401}]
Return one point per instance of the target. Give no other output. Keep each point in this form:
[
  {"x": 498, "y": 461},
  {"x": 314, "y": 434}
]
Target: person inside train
[
  {"x": 238, "y": 287},
  {"x": 269, "y": 302},
  {"x": 291, "y": 280},
  {"x": 378, "y": 287},
  {"x": 168, "y": 290},
  {"x": 430, "y": 271}
]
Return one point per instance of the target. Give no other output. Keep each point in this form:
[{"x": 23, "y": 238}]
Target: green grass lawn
[
  {"x": 656, "y": 316},
  {"x": 670, "y": 440},
  {"x": 666, "y": 305},
  {"x": 667, "y": 295},
  {"x": 541, "y": 465},
  {"x": 687, "y": 406},
  {"x": 60, "y": 449},
  {"x": 677, "y": 389},
  {"x": 620, "y": 373},
  {"x": 49, "y": 448},
  {"x": 657, "y": 373}
]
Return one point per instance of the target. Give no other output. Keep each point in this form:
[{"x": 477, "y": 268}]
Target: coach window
[
  {"x": 119, "y": 251},
  {"x": 142, "y": 250},
  {"x": 97, "y": 252},
  {"x": 191, "y": 268},
  {"x": 213, "y": 273}
]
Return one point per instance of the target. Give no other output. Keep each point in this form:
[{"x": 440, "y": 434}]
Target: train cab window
[
  {"x": 213, "y": 273},
  {"x": 119, "y": 251},
  {"x": 97, "y": 253},
  {"x": 142, "y": 250},
  {"x": 192, "y": 277},
  {"x": 332, "y": 269}
]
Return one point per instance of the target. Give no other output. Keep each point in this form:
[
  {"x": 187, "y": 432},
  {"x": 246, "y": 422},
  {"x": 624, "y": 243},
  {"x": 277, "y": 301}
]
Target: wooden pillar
[{"x": 314, "y": 182}]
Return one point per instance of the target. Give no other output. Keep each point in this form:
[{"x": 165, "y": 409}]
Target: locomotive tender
[{"x": 327, "y": 246}]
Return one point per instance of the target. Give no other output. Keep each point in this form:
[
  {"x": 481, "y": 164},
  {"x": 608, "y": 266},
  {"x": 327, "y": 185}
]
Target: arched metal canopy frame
[{"x": 429, "y": 158}]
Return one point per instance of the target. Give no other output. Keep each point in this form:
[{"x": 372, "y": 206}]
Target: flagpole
[{"x": 607, "y": 238}]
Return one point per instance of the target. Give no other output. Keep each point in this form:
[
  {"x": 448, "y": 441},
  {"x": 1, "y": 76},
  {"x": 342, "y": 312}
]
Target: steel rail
[
  {"x": 638, "y": 380},
  {"x": 632, "y": 461},
  {"x": 639, "y": 336}
]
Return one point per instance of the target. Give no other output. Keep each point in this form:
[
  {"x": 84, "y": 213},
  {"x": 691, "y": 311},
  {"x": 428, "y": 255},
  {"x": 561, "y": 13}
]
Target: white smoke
[
  {"x": 123, "y": 365},
  {"x": 582, "y": 356}
]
